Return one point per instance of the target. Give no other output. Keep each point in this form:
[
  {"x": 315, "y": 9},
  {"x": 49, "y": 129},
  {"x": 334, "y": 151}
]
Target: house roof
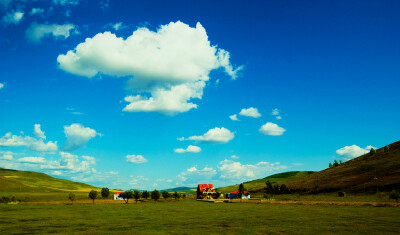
[
  {"x": 206, "y": 188},
  {"x": 236, "y": 192},
  {"x": 117, "y": 193}
]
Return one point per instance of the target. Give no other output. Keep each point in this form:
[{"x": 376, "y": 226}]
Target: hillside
[
  {"x": 34, "y": 182},
  {"x": 258, "y": 185},
  {"x": 181, "y": 189},
  {"x": 364, "y": 173}
]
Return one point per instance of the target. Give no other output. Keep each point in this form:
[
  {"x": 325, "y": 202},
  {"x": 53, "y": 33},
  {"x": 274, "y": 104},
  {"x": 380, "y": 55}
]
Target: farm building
[
  {"x": 117, "y": 197},
  {"x": 237, "y": 195},
  {"x": 205, "y": 191}
]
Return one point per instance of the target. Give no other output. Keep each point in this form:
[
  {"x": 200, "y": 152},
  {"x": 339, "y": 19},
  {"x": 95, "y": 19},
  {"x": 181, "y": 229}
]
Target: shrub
[
  {"x": 71, "y": 197},
  {"x": 105, "y": 192},
  {"x": 267, "y": 196},
  {"x": 342, "y": 194},
  {"x": 93, "y": 195},
  {"x": 4, "y": 199}
]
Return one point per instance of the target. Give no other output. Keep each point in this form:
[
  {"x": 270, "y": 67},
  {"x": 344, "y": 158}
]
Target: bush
[
  {"x": 267, "y": 196},
  {"x": 71, "y": 197},
  {"x": 4, "y": 199},
  {"x": 342, "y": 194},
  {"x": 105, "y": 192}
]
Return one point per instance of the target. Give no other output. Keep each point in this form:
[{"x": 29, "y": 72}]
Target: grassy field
[{"x": 193, "y": 217}]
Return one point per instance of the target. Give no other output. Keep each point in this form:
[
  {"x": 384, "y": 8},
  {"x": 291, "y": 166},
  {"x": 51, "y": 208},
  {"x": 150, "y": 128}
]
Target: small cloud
[
  {"x": 36, "y": 11},
  {"x": 250, "y": 112},
  {"x": 13, "y": 17},
  {"x": 118, "y": 26},
  {"x": 234, "y": 157},
  {"x": 270, "y": 128},
  {"x": 234, "y": 117},
  {"x": 189, "y": 149},
  {"x": 7, "y": 156},
  {"x": 278, "y": 117},
  {"x": 275, "y": 112},
  {"x": 216, "y": 135},
  {"x": 38, "y": 132},
  {"x": 1, "y": 85},
  {"x": 135, "y": 159},
  {"x": 78, "y": 136},
  {"x": 56, "y": 173},
  {"x": 32, "y": 160},
  {"x": 36, "y": 31}
]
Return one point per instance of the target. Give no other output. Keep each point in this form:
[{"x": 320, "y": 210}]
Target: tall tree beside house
[
  {"x": 93, "y": 195},
  {"x": 105, "y": 192},
  {"x": 155, "y": 195},
  {"x": 145, "y": 194},
  {"x": 136, "y": 195},
  {"x": 71, "y": 197},
  {"x": 241, "y": 190},
  {"x": 126, "y": 196},
  {"x": 165, "y": 195}
]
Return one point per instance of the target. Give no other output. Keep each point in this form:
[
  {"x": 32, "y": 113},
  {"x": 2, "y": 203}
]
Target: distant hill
[
  {"x": 258, "y": 185},
  {"x": 181, "y": 189},
  {"x": 364, "y": 173},
  {"x": 34, "y": 182}
]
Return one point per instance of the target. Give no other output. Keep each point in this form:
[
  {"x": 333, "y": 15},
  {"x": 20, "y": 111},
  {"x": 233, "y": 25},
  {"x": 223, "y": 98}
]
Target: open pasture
[{"x": 193, "y": 217}]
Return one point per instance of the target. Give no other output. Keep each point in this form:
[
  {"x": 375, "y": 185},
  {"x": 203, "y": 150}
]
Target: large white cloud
[
  {"x": 229, "y": 169},
  {"x": 270, "y": 128},
  {"x": 13, "y": 17},
  {"x": 350, "y": 152},
  {"x": 167, "y": 67},
  {"x": 38, "y": 131},
  {"x": 135, "y": 159},
  {"x": 78, "y": 136},
  {"x": 250, "y": 112},
  {"x": 71, "y": 163},
  {"x": 10, "y": 140},
  {"x": 36, "y": 31},
  {"x": 189, "y": 149},
  {"x": 216, "y": 135}
]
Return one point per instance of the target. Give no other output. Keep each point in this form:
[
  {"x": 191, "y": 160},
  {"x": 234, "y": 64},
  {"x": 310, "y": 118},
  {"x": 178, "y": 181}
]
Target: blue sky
[{"x": 159, "y": 95}]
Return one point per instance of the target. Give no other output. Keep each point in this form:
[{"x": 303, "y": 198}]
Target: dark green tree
[
  {"x": 155, "y": 195},
  {"x": 145, "y": 194},
  {"x": 330, "y": 165},
  {"x": 71, "y": 197},
  {"x": 165, "y": 195},
  {"x": 283, "y": 188},
  {"x": 218, "y": 194},
  {"x": 276, "y": 189},
  {"x": 335, "y": 163},
  {"x": 126, "y": 196},
  {"x": 136, "y": 195},
  {"x": 105, "y": 192},
  {"x": 340, "y": 162},
  {"x": 93, "y": 195},
  {"x": 177, "y": 195},
  {"x": 395, "y": 195},
  {"x": 372, "y": 152},
  {"x": 269, "y": 189}
]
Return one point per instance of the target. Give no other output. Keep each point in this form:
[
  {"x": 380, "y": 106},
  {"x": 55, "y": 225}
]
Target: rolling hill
[
  {"x": 181, "y": 189},
  {"x": 257, "y": 185},
  {"x": 361, "y": 174},
  {"x": 34, "y": 182}
]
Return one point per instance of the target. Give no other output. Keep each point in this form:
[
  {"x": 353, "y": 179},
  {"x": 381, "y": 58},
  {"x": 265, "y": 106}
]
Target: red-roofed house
[
  {"x": 237, "y": 195},
  {"x": 117, "y": 197},
  {"x": 205, "y": 191}
]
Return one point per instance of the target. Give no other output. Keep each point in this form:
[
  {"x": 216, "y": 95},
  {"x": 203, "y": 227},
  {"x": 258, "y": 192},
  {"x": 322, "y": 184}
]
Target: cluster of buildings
[{"x": 207, "y": 191}]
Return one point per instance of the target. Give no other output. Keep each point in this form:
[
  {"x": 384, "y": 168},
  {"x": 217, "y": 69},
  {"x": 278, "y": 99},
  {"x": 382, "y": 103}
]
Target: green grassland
[
  {"x": 193, "y": 217},
  {"x": 256, "y": 185}
]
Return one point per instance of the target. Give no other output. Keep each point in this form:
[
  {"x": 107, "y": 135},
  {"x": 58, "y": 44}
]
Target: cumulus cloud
[
  {"x": 71, "y": 163},
  {"x": 36, "y": 31},
  {"x": 10, "y": 140},
  {"x": 167, "y": 67},
  {"x": 353, "y": 151},
  {"x": 78, "y": 136},
  {"x": 13, "y": 17},
  {"x": 270, "y": 128},
  {"x": 38, "y": 132},
  {"x": 234, "y": 117},
  {"x": 189, "y": 149},
  {"x": 216, "y": 135},
  {"x": 229, "y": 169},
  {"x": 250, "y": 112},
  {"x": 194, "y": 175},
  {"x": 36, "y": 11},
  {"x": 34, "y": 160},
  {"x": 7, "y": 156},
  {"x": 135, "y": 159},
  {"x": 234, "y": 157}
]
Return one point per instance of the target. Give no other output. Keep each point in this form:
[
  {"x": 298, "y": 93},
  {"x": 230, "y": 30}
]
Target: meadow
[{"x": 194, "y": 217}]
